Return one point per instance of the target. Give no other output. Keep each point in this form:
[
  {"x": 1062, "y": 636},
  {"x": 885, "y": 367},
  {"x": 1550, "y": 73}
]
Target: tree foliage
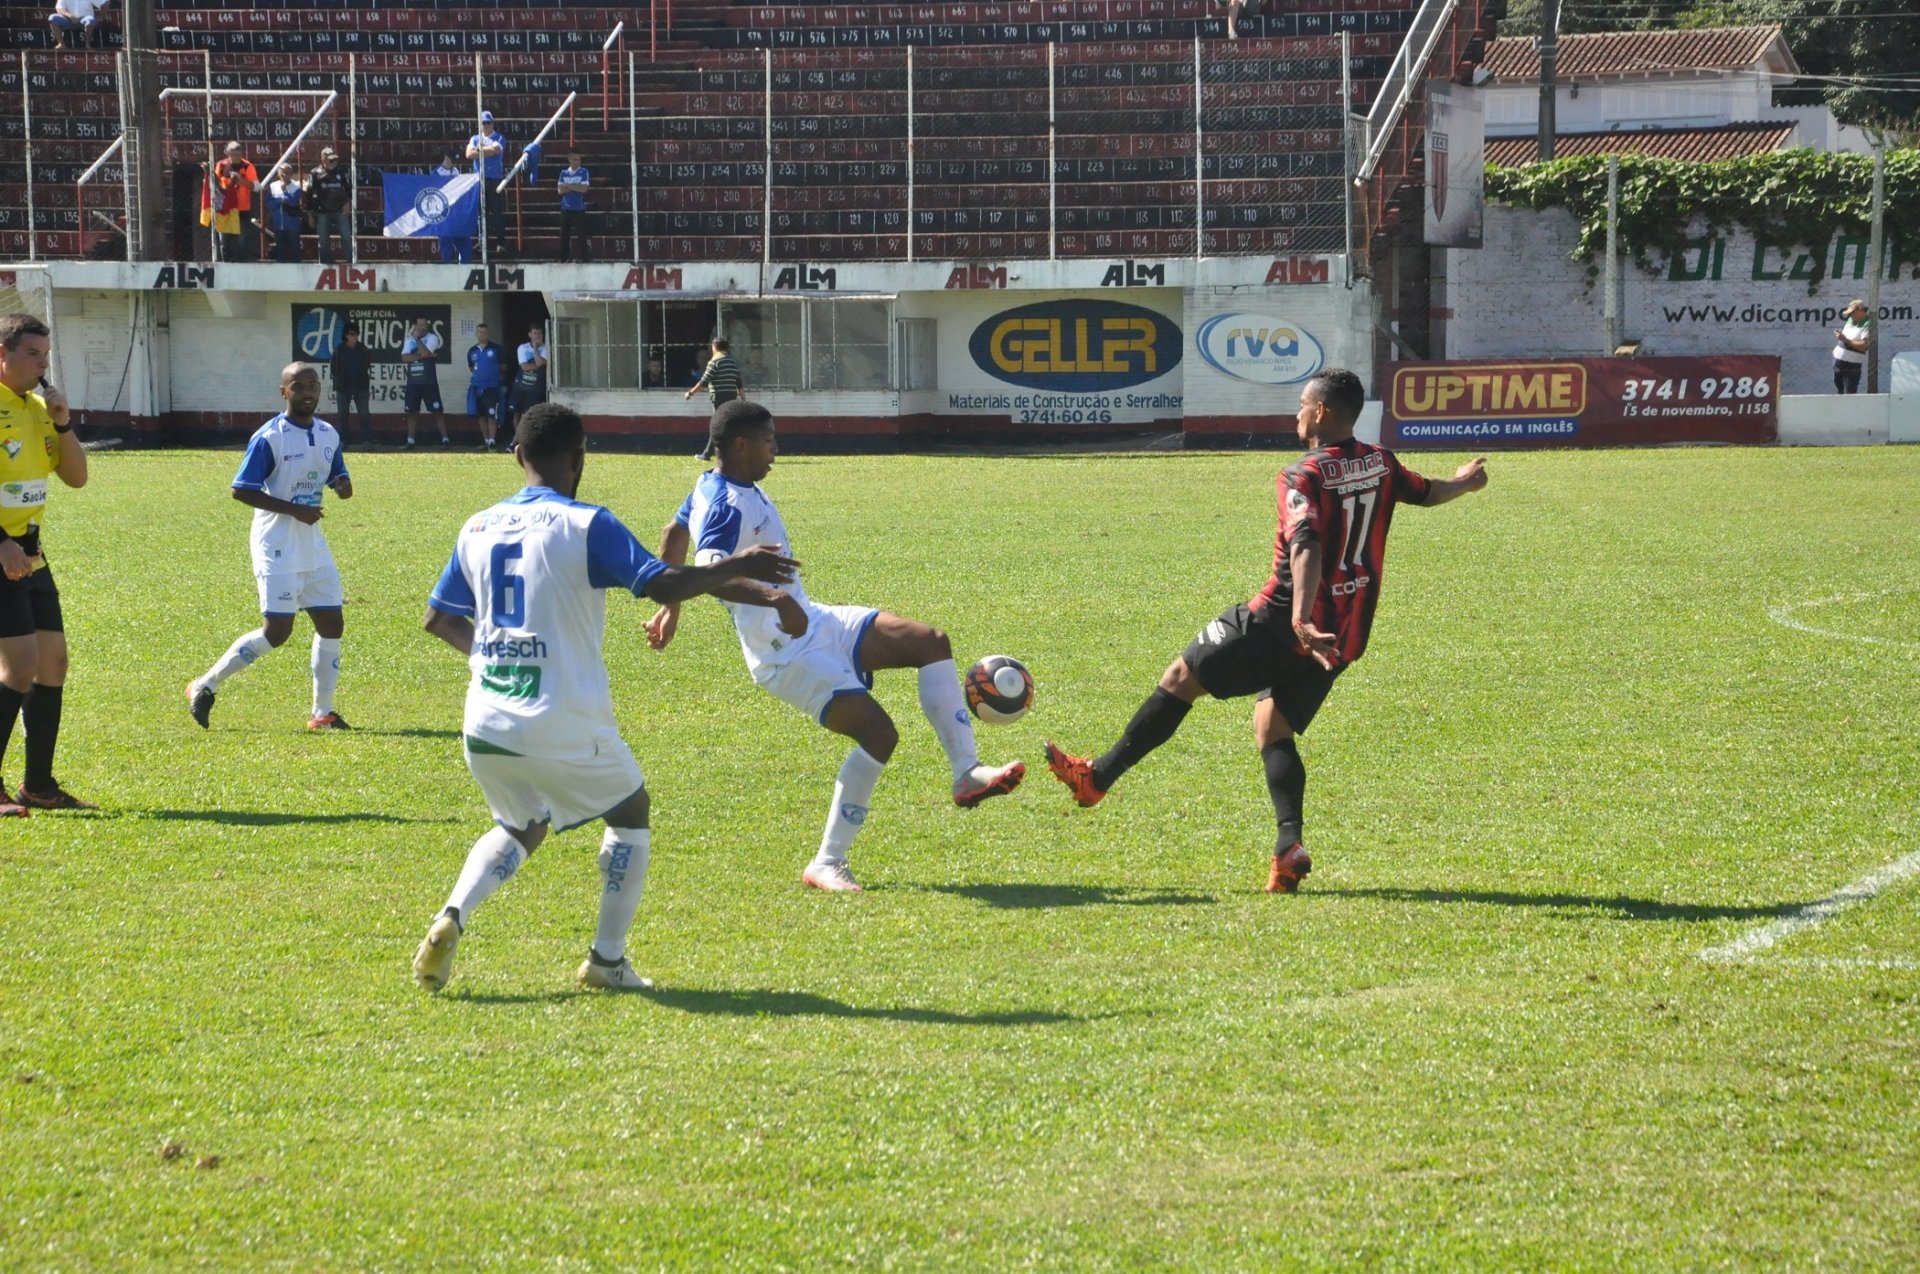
[
  {"x": 1794, "y": 197},
  {"x": 1869, "y": 41}
]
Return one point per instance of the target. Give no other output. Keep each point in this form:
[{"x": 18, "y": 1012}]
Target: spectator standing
[
  {"x": 418, "y": 352},
  {"x": 488, "y": 150},
  {"x": 722, "y": 378},
  {"x": 530, "y": 386},
  {"x": 282, "y": 199},
  {"x": 76, "y": 24},
  {"x": 1237, "y": 9},
  {"x": 574, "y": 180},
  {"x": 1851, "y": 344},
  {"x": 486, "y": 384},
  {"x": 245, "y": 181},
  {"x": 220, "y": 209},
  {"x": 330, "y": 197},
  {"x": 352, "y": 369},
  {"x": 453, "y": 247}
]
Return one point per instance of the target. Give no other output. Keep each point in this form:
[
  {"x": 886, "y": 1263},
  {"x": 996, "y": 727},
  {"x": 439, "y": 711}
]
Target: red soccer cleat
[
  {"x": 1290, "y": 867},
  {"x": 1076, "y": 772},
  {"x": 328, "y": 721},
  {"x": 56, "y": 799}
]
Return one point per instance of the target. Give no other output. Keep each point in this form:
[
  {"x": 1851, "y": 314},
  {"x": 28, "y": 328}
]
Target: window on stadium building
[
  {"x": 919, "y": 354},
  {"x": 596, "y": 346},
  {"x": 768, "y": 340},
  {"x": 847, "y": 344}
]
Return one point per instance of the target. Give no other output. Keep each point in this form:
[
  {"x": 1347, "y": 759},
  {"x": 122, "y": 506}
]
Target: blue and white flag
[{"x": 432, "y": 206}]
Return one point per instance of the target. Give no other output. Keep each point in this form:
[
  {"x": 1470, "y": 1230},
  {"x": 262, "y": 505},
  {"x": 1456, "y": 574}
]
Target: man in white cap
[{"x": 488, "y": 149}]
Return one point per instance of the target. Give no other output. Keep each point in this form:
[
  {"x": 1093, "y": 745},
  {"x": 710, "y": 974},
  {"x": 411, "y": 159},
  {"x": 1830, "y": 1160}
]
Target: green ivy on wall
[{"x": 1802, "y": 198}]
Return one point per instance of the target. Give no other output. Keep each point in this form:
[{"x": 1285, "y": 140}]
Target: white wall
[{"x": 1522, "y": 295}]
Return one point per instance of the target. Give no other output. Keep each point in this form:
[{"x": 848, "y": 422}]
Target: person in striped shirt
[{"x": 722, "y": 378}]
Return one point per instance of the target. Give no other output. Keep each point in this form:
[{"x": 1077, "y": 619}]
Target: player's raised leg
[
  {"x": 892, "y": 641},
  {"x": 247, "y": 650},
  {"x": 625, "y": 849},
  {"x": 859, "y": 717},
  {"x": 1287, "y": 786},
  {"x": 1153, "y": 723}
]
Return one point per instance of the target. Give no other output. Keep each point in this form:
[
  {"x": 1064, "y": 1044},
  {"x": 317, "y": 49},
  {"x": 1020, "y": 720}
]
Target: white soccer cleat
[
  {"x": 984, "y": 781},
  {"x": 595, "y": 976},
  {"x": 832, "y": 878},
  {"x": 433, "y": 962}
]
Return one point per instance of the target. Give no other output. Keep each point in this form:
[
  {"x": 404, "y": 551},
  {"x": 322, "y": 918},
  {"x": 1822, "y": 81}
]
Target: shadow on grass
[
  {"x": 806, "y": 1004},
  {"x": 510, "y": 997},
  {"x": 273, "y": 818},
  {"x": 1037, "y": 897},
  {"x": 1622, "y": 908},
  {"x": 412, "y": 732}
]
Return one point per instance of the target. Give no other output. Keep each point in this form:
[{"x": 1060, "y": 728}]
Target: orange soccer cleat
[
  {"x": 1290, "y": 867},
  {"x": 1076, "y": 772},
  {"x": 985, "y": 782}
]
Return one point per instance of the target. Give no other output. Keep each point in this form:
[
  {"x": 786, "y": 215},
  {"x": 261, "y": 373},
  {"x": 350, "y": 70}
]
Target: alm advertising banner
[
  {"x": 1456, "y": 171},
  {"x": 1583, "y": 402}
]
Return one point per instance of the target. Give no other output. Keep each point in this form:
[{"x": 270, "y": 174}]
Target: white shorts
[
  {"x": 285, "y": 592},
  {"x": 826, "y": 662},
  {"x": 524, "y": 790}
]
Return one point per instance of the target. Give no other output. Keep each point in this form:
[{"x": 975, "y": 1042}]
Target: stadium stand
[{"x": 833, "y": 181}]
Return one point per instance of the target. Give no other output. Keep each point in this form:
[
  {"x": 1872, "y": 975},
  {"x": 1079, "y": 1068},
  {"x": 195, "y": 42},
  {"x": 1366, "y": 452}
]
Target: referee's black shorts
[
  {"x": 1245, "y": 652},
  {"x": 30, "y": 605}
]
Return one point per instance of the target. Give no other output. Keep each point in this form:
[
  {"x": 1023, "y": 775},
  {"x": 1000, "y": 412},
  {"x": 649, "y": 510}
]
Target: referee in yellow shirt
[{"x": 35, "y": 441}]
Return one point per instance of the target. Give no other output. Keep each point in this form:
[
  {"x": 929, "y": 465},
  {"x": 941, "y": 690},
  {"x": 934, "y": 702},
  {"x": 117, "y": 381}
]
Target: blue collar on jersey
[
  {"x": 308, "y": 427},
  {"x": 534, "y": 495},
  {"x": 734, "y": 482}
]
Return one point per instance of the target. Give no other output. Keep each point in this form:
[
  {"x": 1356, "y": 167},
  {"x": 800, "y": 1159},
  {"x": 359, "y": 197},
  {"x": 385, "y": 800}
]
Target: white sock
[
  {"x": 326, "y": 673},
  {"x": 490, "y": 864},
  {"x": 852, "y": 795},
  {"x": 239, "y": 656},
  {"x": 946, "y": 710},
  {"x": 624, "y": 853}
]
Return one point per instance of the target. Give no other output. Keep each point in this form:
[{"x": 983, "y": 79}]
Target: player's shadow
[
  {"x": 760, "y": 1003},
  {"x": 412, "y": 732},
  {"x": 1621, "y": 907},
  {"x": 274, "y": 818},
  {"x": 1044, "y": 897}
]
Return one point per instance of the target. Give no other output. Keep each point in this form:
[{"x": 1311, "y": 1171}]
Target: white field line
[
  {"x": 1784, "y": 616},
  {"x": 1755, "y": 941}
]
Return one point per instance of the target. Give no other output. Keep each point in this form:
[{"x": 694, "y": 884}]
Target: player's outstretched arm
[
  {"x": 1469, "y": 477},
  {"x": 761, "y": 564},
  {"x": 674, "y": 540},
  {"x": 455, "y": 630}
]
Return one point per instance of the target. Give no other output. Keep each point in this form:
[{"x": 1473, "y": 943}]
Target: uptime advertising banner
[{"x": 1582, "y": 402}]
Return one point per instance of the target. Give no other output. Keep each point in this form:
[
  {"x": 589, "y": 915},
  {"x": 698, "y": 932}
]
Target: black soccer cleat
[{"x": 200, "y": 702}]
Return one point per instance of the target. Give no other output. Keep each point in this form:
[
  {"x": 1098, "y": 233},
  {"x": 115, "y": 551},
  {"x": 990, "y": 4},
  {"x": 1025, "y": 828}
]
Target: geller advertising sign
[{"x": 1583, "y": 402}]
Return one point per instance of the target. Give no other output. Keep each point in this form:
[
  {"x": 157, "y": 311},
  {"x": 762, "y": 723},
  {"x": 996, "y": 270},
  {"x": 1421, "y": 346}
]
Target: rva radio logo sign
[
  {"x": 1258, "y": 349},
  {"x": 1076, "y": 346}
]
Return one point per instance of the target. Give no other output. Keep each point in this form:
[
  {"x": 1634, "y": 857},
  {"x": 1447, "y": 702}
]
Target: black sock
[
  {"x": 10, "y": 701},
  {"x": 1151, "y": 726},
  {"x": 1287, "y": 785},
  {"x": 41, "y": 716}
]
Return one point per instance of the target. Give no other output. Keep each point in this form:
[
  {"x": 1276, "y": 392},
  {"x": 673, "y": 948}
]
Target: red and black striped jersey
[{"x": 1342, "y": 495}]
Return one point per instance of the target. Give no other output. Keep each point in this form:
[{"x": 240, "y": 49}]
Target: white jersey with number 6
[{"x": 531, "y": 573}]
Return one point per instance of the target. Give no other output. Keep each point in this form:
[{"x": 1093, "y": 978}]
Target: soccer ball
[{"x": 999, "y": 689}]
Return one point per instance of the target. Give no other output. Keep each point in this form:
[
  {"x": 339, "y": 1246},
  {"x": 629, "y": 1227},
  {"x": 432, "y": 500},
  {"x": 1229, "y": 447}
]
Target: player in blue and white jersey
[
  {"x": 828, "y": 672},
  {"x": 291, "y": 462},
  {"x": 524, "y": 599}
]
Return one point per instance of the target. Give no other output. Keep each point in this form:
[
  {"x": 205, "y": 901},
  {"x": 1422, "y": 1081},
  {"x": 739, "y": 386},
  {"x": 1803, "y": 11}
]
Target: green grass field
[{"x": 1580, "y": 753}]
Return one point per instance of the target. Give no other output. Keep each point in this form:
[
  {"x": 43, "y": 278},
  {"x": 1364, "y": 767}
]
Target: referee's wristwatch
[{"x": 63, "y": 429}]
